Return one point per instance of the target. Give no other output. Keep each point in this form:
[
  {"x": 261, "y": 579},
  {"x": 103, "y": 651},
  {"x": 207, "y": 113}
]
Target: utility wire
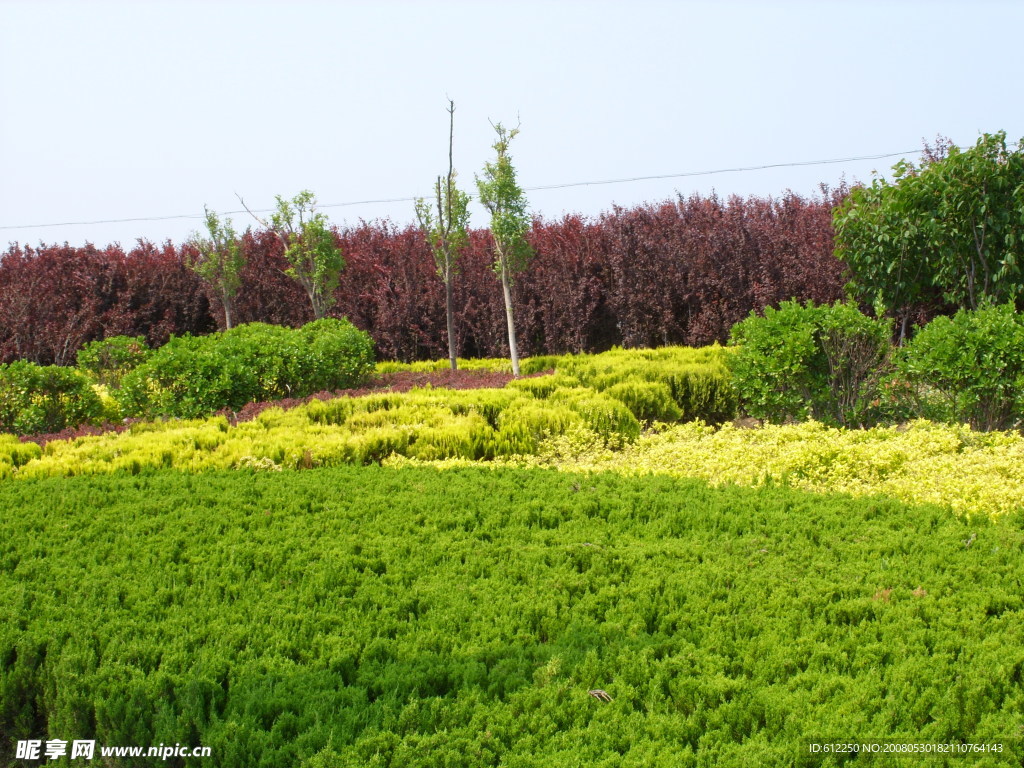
[{"x": 525, "y": 189}]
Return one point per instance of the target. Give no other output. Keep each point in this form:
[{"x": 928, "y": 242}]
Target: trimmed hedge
[{"x": 193, "y": 376}]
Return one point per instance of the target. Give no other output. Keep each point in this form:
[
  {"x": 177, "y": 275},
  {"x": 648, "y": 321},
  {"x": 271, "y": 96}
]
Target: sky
[{"x": 151, "y": 110}]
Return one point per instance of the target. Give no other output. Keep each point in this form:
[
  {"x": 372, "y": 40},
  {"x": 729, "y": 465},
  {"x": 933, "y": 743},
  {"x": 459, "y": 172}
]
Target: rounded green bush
[
  {"x": 192, "y": 376},
  {"x": 107, "y": 361},
  {"x": 37, "y": 399},
  {"x": 804, "y": 361},
  {"x": 338, "y": 355},
  {"x": 968, "y": 368}
]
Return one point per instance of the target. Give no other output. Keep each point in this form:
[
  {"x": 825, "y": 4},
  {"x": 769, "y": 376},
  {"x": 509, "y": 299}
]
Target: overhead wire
[{"x": 540, "y": 188}]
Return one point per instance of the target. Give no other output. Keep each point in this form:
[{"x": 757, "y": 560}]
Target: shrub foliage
[
  {"x": 374, "y": 617},
  {"x": 807, "y": 361},
  {"x": 108, "y": 360},
  {"x": 194, "y": 376},
  {"x": 968, "y": 368},
  {"x": 45, "y": 398}
]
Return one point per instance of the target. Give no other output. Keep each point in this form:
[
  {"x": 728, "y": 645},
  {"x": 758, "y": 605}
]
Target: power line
[
  {"x": 726, "y": 170},
  {"x": 685, "y": 174}
]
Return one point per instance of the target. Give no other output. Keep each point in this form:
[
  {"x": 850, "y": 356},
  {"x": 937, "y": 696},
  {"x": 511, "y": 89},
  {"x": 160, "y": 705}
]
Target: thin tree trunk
[
  {"x": 446, "y": 219},
  {"x": 507, "y": 291},
  {"x": 315, "y": 301},
  {"x": 449, "y": 301}
]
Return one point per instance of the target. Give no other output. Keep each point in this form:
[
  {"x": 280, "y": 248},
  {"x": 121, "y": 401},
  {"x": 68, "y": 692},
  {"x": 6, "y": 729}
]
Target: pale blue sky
[{"x": 115, "y": 110}]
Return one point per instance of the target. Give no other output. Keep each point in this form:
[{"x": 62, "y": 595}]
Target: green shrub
[
  {"x": 539, "y": 363},
  {"x": 648, "y": 400},
  {"x": 187, "y": 377},
  {"x": 338, "y": 355},
  {"x": 542, "y": 386},
  {"x": 457, "y": 437},
  {"x": 36, "y": 398},
  {"x": 14, "y": 453},
  {"x": 525, "y": 423},
  {"x": 107, "y": 361},
  {"x": 968, "y": 368},
  {"x": 703, "y": 391},
  {"x": 608, "y": 417},
  {"x": 192, "y": 376},
  {"x": 806, "y": 361}
]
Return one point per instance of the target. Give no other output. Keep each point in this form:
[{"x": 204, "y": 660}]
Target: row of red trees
[{"x": 678, "y": 272}]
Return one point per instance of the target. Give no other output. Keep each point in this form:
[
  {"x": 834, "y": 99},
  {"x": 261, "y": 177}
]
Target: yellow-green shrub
[
  {"x": 466, "y": 436},
  {"x": 648, "y": 400},
  {"x": 524, "y": 424},
  {"x": 527, "y": 366},
  {"x": 14, "y": 453},
  {"x": 971, "y": 472},
  {"x": 607, "y": 416},
  {"x": 542, "y": 386},
  {"x": 698, "y": 379}
]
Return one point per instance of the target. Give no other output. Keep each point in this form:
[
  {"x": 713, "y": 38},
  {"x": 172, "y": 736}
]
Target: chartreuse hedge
[
  {"x": 664, "y": 384},
  {"x": 608, "y": 395},
  {"x": 365, "y": 616},
  {"x": 424, "y": 424}
]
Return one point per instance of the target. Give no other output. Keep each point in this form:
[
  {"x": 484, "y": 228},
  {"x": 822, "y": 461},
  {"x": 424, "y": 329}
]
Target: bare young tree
[
  {"x": 446, "y": 231},
  {"x": 220, "y": 262}
]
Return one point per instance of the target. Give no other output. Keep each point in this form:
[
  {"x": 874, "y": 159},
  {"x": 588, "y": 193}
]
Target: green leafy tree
[
  {"x": 503, "y": 198},
  {"x": 446, "y": 232},
  {"x": 952, "y": 226},
  {"x": 220, "y": 261},
  {"x": 314, "y": 258}
]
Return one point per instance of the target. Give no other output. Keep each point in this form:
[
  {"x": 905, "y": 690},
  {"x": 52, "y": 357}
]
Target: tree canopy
[
  {"x": 951, "y": 227},
  {"x": 504, "y": 199},
  {"x": 220, "y": 262}
]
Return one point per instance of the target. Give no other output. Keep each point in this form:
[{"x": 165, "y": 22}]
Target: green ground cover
[{"x": 368, "y": 616}]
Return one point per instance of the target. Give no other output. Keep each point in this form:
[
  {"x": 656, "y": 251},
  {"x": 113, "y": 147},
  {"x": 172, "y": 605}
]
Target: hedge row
[
  {"x": 193, "y": 376},
  {"x": 609, "y": 396},
  {"x": 188, "y": 377},
  {"x": 681, "y": 272}
]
